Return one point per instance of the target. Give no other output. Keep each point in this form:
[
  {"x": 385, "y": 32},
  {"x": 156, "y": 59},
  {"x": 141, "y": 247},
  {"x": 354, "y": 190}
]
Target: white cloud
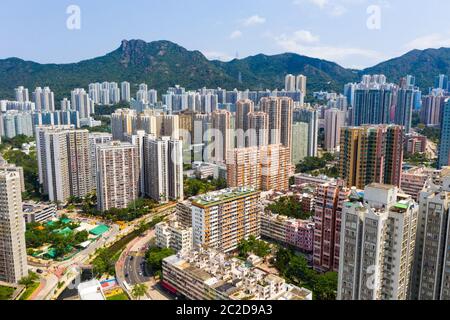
[
  {"x": 305, "y": 36},
  {"x": 320, "y": 3},
  {"x": 235, "y": 34},
  {"x": 305, "y": 43},
  {"x": 338, "y": 10},
  {"x": 334, "y": 8},
  {"x": 217, "y": 55},
  {"x": 434, "y": 40},
  {"x": 253, "y": 21}
]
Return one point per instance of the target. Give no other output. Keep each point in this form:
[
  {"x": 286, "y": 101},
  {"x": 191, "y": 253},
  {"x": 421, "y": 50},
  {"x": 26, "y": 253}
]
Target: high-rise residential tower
[
  {"x": 310, "y": 116},
  {"x": 373, "y": 101},
  {"x": 117, "y": 175},
  {"x": 290, "y": 83},
  {"x": 243, "y": 109},
  {"x": 44, "y": 99},
  {"x": 123, "y": 121},
  {"x": 329, "y": 201},
  {"x": 378, "y": 237},
  {"x": 280, "y": 112},
  {"x": 64, "y": 163},
  {"x": 264, "y": 168},
  {"x": 404, "y": 107},
  {"x": 444, "y": 145},
  {"x": 163, "y": 168},
  {"x": 13, "y": 253},
  {"x": 82, "y": 102},
  {"x": 371, "y": 154},
  {"x": 431, "y": 274},
  {"x": 22, "y": 94},
  {"x": 125, "y": 90},
  {"x": 223, "y": 142},
  {"x": 258, "y": 129},
  {"x": 301, "y": 84},
  {"x": 334, "y": 121}
]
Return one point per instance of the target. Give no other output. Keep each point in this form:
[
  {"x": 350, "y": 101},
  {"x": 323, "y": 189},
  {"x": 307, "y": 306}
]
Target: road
[
  {"x": 132, "y": 263},
  {"x": 54, "y": 273},
  {"x": 65, "y": 272},
  {"x": 136, "y": 270}
]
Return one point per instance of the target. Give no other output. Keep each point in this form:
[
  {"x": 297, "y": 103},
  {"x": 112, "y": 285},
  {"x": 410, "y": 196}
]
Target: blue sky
[{"x": 335, "y": 30}]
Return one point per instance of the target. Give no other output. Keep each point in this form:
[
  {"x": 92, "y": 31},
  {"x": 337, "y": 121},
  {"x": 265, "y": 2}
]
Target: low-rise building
[
  {"x": 303, "y": 178},
  {"x": 414, "y": 180},
  {"x": 203, "y": 170},
  {"x": 415, "y": 143},
  {"x": 172, "y": 235},
  {"x": 91, "y": 291},
  {"x": 39, "y": 212},
  {"x": 293, "y": 232},
  {"x": 210, "y": 275}
]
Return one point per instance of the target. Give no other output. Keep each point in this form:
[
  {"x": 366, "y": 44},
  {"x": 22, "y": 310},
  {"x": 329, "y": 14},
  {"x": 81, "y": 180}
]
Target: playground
[{"x": 61, "y": 239}]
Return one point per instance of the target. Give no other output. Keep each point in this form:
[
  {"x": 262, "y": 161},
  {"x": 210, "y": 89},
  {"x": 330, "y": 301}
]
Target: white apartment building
[
  {"x": 95, "y": 139},
  {"x": 125, "y": 90},
  {"x": 39, "y": 212},
  {"x": 22, "y": 94},
  {"x": 13, "y": 253},
  {"x": 173, "y": 235},
  {"x": 377, "y": 247},
  {"x": 431, "y": 273},
  {"x": 64, "y": 162},
  {"x": 44, "y": 99},
  {"x": 82, "y": 102},
  {"x": 163, "y": 168}
]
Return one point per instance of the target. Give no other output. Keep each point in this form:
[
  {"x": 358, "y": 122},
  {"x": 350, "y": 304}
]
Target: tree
[
  {"x": 260, "y": 248},
  {"x": 289, "y": 207},
  {"x": 155, "y": 256},
  {"x": 139, "y": 291},
  {"x": 29, "y": 280},
  {"x": 296, "y": 270},
  {"x": 194, "y": 187},
  {"x": 325, "y": 286}
]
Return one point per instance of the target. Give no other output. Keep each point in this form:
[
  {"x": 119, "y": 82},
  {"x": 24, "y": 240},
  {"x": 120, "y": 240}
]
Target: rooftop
[
  {"x": 214, "y": 198},
  {"x": 235, "y": 278}
]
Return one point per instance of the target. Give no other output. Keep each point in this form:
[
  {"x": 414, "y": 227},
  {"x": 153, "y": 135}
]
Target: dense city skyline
[{"x": 151, "y": 173}]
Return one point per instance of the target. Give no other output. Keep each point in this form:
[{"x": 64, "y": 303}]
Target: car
[
  {"x": 127, "y": 275},
  {"x": 39, "y": 271}
]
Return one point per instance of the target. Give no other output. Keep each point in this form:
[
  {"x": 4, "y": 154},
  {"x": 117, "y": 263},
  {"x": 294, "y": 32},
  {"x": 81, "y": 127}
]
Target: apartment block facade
[
  {"x": 264, "y": 168},
  {"x": 221, "y": 219},
  {"x": 378, "y": 240},
  {"x": 371, "y": 154},
  {"x": 117, "y": 175},
  {"x": 13, "y": 252}
]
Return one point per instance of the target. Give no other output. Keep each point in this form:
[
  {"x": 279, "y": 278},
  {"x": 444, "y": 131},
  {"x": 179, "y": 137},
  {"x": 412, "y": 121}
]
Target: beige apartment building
[
  {"x": 221, "y": 219},
  {"x": 264, "y": 168}
]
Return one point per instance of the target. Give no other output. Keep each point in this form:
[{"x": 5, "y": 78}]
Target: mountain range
[{"x": 162, "y": 64}]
